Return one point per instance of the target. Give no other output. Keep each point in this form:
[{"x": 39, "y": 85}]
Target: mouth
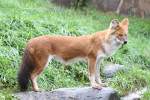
[
  {"x": 119, "y": 41},
  {"x": 124, "y": 44}
]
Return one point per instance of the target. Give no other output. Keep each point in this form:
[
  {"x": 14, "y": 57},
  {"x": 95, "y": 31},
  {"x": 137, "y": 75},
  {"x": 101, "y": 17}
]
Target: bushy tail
[{"x": 26, "y": 68}]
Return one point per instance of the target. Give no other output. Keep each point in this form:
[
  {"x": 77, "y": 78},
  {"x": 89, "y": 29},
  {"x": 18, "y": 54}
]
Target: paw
[
  {"x": 103, "y": 84},
  {"x": 36, "y": 90},
  {"x": 96, "y": 86}
]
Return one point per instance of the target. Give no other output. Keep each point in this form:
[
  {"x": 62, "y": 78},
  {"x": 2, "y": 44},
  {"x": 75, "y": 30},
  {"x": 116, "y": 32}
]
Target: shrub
[{"x": 129, "y": 81}]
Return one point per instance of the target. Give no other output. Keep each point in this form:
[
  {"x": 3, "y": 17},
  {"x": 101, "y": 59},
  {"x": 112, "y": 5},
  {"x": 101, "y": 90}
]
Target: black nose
[{"x": 125, "y": 42}]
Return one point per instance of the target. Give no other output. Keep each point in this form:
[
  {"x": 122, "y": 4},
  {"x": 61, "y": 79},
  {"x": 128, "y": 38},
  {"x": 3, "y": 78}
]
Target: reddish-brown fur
[{"x": 40, "y": 48}]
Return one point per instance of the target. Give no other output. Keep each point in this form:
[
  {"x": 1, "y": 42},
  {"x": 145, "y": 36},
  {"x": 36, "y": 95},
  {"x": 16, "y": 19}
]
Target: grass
[
  {"x": 146, "y": 95},
  {"x": 21, "y": 20}
]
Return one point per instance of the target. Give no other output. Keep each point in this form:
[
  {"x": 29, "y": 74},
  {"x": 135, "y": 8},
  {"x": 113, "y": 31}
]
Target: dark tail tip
[
  {"x": 23, "y": 80},
  {"x": 25, "y": 70}
]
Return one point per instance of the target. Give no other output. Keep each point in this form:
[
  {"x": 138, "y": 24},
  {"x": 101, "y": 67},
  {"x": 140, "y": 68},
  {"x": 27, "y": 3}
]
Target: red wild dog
[{"x": 40, "y": 50}]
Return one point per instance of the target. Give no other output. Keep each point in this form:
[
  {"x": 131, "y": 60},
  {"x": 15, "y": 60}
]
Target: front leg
[
  {"x": 97, "y": 78},
  {"x": 92, "y": 73}
]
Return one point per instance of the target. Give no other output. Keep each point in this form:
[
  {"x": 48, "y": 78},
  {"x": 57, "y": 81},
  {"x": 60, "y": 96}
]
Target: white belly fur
[{"x": 60, "y": 59}]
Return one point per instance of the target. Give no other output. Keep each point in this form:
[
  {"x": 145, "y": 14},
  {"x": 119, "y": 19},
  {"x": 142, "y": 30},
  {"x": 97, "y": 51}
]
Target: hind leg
[
  {"x": 34, "y": 76},
  {"x": 41, "y": 64}
]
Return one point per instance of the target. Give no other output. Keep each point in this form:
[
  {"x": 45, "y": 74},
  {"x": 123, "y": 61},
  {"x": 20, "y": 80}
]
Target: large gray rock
[
  {"x": 127, "y": 7},
  {"x": 86, "y": 93},
  {"x": 110, "y": 70}
]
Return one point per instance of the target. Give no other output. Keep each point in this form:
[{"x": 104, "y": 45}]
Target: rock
[
  {"x": 110, "y": 70},
  {"x": 86, "y": 93},
  {"x": 127, "y": 7}
]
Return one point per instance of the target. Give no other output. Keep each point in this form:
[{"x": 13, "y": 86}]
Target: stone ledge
[{"x": 85, "y": 93}]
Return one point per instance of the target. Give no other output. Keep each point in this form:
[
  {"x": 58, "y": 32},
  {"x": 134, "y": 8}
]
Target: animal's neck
[{"x": 110, "y": 46}]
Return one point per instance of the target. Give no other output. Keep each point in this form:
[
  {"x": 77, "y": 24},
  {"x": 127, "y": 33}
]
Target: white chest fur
[{"x": 111, "y": 47}]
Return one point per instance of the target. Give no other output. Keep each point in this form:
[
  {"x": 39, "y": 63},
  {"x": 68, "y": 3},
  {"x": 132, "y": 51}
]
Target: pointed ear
[
  {"x": 114, "y": 24},
  {"x": 125, "y": 22}
]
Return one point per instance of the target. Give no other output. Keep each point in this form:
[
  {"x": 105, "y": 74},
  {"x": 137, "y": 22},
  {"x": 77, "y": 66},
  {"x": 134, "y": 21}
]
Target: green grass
[
  {"x": 21, "y": 20},
  {"x": 146, "y": 95}
]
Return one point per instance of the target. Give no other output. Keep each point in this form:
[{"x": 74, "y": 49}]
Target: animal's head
[{"x": 119, "y": 30}]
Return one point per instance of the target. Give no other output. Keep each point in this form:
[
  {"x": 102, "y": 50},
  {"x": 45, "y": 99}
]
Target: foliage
[
  {"x": 80, "y": 3},
  {"x": 76, "y": 4},
  {"x": 6, "y": 95},
  {"x": 146, "y": 95},
  {"x": 9, "y": 60},
  {"x": 134, "y": 79}
]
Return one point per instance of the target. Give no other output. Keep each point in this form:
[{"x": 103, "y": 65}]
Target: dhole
[{"x": 40, "y": 50}]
